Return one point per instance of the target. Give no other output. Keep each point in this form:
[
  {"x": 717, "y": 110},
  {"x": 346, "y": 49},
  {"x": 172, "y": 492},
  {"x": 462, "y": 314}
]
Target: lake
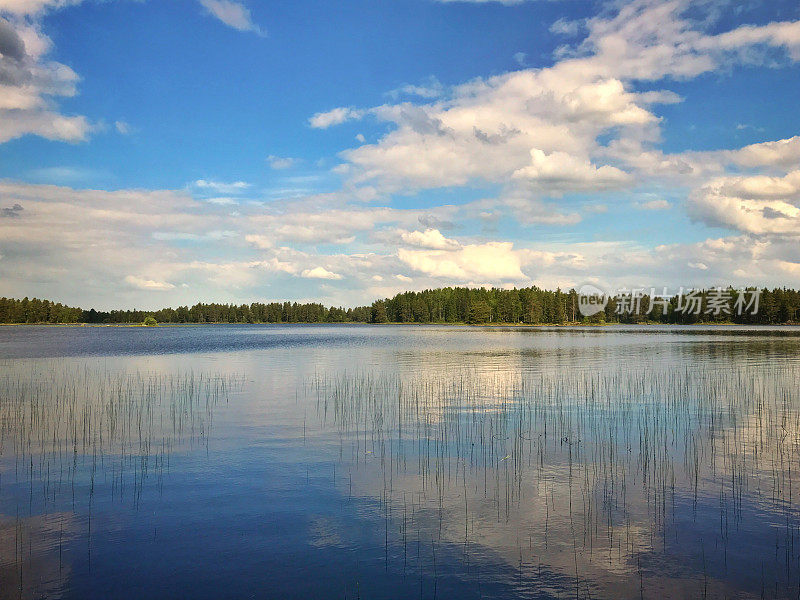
[{"x": 349, "y": 461}]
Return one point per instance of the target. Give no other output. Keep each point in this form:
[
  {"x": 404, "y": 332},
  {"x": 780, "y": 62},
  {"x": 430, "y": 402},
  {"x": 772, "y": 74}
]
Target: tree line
[{"x": 530, "y": 305}]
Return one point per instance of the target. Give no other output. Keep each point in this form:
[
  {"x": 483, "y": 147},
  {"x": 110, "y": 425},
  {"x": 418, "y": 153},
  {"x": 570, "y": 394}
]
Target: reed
[
  {"x": 65, "y": 429},
  {"x": 609, "y": 476}
]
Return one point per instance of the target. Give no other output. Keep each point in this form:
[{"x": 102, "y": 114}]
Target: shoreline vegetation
[
  {"x": 445, "y": 306},
  {"x": 498, "y": 325}
]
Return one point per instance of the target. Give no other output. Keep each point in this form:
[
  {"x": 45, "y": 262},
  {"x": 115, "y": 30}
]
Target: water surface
[{"x": 352, "y": 461}]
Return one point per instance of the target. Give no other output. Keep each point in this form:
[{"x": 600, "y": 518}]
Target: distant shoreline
[
  {"x": 435, "y": 324},
  {"x": 523, "y": 307}
]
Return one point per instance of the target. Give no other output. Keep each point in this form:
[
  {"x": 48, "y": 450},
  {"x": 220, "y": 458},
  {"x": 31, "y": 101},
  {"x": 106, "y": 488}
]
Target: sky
[{"x": 164, "y": 152}]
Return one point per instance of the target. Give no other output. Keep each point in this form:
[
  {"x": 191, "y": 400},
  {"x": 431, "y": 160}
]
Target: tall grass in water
[
  {"x": 65, "y": 430},
  {"x": 624, "y": 482}
]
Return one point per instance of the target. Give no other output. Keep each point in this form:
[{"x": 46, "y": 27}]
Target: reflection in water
[
  {"x": 388, "y": 462},
  {"x": 63, "y": 430},
  {"x": 614, "y": 483}
]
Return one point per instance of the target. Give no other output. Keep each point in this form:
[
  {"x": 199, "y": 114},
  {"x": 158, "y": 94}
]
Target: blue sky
[{"x": 168, "y": 152}]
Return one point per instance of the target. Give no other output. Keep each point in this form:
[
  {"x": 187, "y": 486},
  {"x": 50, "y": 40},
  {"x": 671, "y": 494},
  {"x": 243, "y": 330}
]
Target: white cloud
[
  {"x": 27, "y": 8},
  {"x": 650, "y": 40},
  {"x": 559, "y": 170},
  {"x": 132, "y": 243},
  {"x": 337, "y": 116},
  {"x": 114, "y": 235},
  {"x": 148, "y": 284},
  {"x": 30, "y": 83},
  {"x": 543, "y": 127},
  {"x": 319, "y": 273},
  {"x": 231, "y": 13},
  {"x": 430, "y": 238},
  {"x": 491, "y": 261},
  {"x": 757, "y": 204},
  {"x": 779, "y": 153},
  {"x": 488, "y": 131}
]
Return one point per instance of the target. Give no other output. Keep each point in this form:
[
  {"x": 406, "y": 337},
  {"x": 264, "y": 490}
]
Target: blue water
[{"x": 398, "y": 461}]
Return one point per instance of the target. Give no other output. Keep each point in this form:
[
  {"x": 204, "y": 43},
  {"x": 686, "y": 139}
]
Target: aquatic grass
[
  {"x": 59, "y": 421},
  {"x": 65, "y": 429},
  {"x": 610, "y": 475}
]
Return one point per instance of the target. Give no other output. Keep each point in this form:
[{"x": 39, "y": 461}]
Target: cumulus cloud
[
  {"x": 448, "y": 259},
  {"x": 546, "y": 125},
  {"x": 491, "y": 262},
  {"x": 778, "y": 153},
  {"x": 30, "y": 83},
  {"x": 489, "y": 129},
  {"x": 651, "y": 39},
  {"x": 430, "y": 238},
  {"x": 757, "y": 204},
  {"x": 537, "y": 132},
  {"x": 559, "y": 170},
  {"x": 319, "y": 273}
]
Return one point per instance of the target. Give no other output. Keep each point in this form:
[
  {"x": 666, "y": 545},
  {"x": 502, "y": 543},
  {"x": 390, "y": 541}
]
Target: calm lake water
[{"x": 399, "y": 462}]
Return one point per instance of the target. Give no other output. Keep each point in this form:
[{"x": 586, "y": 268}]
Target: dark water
[{"x": 395, "y": 462}]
